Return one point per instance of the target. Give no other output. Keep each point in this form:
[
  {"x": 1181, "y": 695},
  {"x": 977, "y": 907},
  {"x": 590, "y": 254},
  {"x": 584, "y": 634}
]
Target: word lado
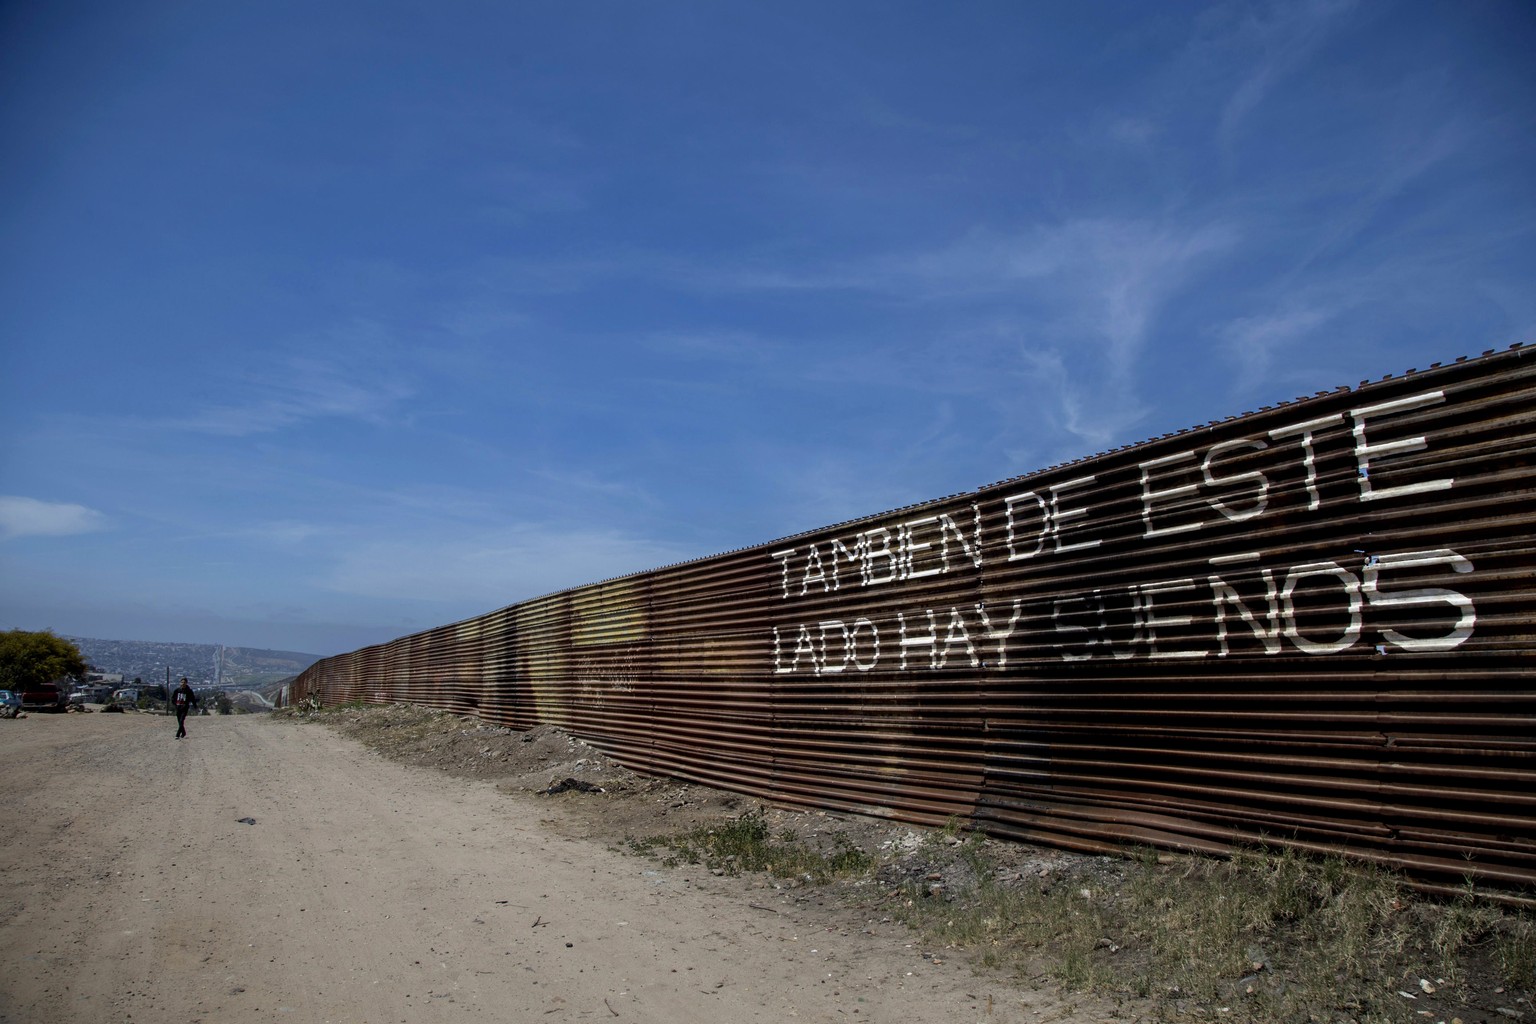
[{"x": 1174, "y": 494}]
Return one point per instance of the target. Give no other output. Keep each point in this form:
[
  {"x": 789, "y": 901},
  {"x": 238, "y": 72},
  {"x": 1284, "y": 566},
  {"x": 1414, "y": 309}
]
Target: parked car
[
  {"x": 44, "y": 697},
  {"x": 79, "y": 697},
  {"x": 10, "y": 703}
]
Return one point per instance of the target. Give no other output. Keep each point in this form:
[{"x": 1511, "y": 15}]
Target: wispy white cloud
[
  {"x": 1274, "y": 42},
  {"x": 1045, "y": 326},
  {"x": 1257, "y": 343},
  {"x": 483, "y": 319},
  {"x": 1414, "y": 154},
  {"x": 1106, "y": 276},
  {"x": 519, "y": 194},
  {"x": 1361, "y": 268},
  {"x": 872, "y": 110},
  {"x": 29, "y": 517},
  {"x": 1134, "y": 132},
  {"x": 1516, "y": 306},
  {"x": 352, "y": 373},
  {"x": 728, "y": 346},
  {"x": 1063, "y": 401},
  {"x": 815, "y": 486},
  {"x": 1112, "y": 277},
  {"x": 489, "y": 568},
  {"x": 574, "y": 484},
  {"x": 285, "y": 533},
  {"x": 1087, "y": 296}
]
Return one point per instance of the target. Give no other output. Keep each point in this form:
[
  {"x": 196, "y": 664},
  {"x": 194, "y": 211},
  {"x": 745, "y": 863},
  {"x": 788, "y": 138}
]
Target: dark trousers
[{"x": 181, "y": 722}]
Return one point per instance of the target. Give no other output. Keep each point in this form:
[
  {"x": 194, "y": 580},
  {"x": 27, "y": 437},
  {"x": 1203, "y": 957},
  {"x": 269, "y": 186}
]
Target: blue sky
[{"x": 321, "y": 323}]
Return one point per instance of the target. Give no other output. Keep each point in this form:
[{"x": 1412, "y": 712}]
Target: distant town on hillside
[{"x": 204, "y": 665}]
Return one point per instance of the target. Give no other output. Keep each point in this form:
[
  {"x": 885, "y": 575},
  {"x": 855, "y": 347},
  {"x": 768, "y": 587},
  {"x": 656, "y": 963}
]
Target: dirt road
[{"x": 367, "y": 891}]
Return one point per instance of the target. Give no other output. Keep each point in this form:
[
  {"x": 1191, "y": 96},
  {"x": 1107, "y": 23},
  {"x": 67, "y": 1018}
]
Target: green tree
[{"x": 29, "y": 660}]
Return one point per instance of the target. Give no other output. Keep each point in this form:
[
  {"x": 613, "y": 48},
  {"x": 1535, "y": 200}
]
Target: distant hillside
[{"x": 202, "y": 664}]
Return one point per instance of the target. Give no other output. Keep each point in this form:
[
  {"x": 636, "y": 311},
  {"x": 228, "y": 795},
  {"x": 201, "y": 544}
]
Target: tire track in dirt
[{"x": 367, "y": 891}]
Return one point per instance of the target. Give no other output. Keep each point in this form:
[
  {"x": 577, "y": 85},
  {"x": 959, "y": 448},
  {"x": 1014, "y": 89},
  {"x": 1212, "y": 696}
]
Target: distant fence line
[{"x": 1311, "y": 625}]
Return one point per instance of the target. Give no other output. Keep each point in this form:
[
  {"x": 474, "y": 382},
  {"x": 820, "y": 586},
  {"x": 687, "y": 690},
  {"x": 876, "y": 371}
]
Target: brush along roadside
[{"x": 1265, "y": 936}]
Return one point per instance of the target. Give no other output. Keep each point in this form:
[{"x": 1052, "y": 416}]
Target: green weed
[
  {"x": 744, "y": 844},
  {"x": 1514, "y": 952}
]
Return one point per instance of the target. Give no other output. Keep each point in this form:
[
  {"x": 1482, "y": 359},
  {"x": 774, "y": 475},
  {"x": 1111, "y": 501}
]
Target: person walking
[{"x": 182, "y": 700}]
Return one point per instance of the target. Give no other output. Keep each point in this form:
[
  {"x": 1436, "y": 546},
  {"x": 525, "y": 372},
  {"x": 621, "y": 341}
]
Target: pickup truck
[{"x": 43, "y": 697}]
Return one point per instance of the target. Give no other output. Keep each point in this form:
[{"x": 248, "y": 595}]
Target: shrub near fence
[{"x": 1309, "y": 625}]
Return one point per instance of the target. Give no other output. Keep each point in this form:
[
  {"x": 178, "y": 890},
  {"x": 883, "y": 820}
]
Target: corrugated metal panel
[{"x": 1311, "y": 624}]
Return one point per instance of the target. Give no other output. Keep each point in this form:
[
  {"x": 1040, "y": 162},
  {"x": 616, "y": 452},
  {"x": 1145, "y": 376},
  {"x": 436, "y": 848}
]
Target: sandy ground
[{"x": 371, "y": 891}]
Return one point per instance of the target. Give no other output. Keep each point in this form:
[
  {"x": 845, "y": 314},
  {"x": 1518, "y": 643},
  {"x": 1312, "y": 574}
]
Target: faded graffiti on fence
[{"x": 1310, "y": 625}]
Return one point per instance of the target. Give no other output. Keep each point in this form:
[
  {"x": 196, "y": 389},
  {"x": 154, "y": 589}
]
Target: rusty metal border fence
[{"x": 1310, "y": 625}]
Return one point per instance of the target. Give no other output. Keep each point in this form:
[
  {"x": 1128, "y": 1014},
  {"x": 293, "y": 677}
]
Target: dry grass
[
  {"x": 1262, "y": 937},
  {"x": 746, "y": 844}
]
